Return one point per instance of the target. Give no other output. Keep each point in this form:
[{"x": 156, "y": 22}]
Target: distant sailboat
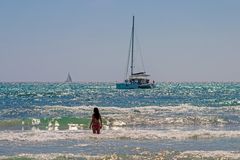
[
  {"x": 69, "y": 78},
  {"x": 136, "y": 79}
]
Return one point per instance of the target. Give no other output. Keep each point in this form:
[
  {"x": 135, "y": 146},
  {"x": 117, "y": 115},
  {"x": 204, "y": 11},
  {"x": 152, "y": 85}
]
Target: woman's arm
[
  {"x": 100, "y": 122},
  {"x": 90, "y": 126}
]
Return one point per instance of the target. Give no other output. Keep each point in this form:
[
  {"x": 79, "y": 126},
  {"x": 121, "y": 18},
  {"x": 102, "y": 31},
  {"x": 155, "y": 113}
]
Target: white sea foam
[
  {"x": 146, "y": 109},
  {"x": 35, "y": 121},
  {"x": 73, "y": 127},
  {"x": 40, "y": 136},
  {"x": 144, "y": 155},
  {"x": 208, "y": 154}
]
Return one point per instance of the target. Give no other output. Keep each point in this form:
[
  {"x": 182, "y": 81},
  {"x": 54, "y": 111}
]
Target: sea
[{"x": 188, "y": 120}]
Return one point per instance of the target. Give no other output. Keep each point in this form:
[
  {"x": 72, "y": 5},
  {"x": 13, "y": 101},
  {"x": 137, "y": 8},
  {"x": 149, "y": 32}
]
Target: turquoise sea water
[
  {"x": 25, "y": 95},
  {"x": 173, "y": 118}
]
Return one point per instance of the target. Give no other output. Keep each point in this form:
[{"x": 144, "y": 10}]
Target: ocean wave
[
  {"x": 158, "y": 115},
  {"x": 164, "y": 154},
  {"x": 183, "y": 108},
  {"x": 148, "y": 116},
  {"x": 56, "y": 123},
  {"x": 119, "y": 133}
]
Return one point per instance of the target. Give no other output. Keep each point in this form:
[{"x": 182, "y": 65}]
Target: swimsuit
[{"x": 96, "y": 124}]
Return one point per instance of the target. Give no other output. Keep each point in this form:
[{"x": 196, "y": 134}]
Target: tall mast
[{"x": 132, "y": 47}]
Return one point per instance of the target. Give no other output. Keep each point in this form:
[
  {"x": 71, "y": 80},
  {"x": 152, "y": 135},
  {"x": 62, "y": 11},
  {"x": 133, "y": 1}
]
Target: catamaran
[{"x": 136, "y": 79}]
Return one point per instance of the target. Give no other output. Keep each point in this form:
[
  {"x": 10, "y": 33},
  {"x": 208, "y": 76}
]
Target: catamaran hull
[
  {"x": 126, "y": 86},
  {"x": 146, "y": 86},
  {"x": 134, "y": 86}
]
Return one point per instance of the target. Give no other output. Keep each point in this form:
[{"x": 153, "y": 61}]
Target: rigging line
[{"x": 140, "y": 50}]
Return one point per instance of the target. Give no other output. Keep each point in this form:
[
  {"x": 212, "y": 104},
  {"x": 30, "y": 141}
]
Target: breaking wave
[
  {"x": 62, "y": 117},
  {"x": 164, "y": 154},
  {"x": 117, "y": 133}
]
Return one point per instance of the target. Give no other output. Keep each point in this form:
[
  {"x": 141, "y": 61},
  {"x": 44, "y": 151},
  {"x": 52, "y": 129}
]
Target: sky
[{"x": 180, "y": 41}]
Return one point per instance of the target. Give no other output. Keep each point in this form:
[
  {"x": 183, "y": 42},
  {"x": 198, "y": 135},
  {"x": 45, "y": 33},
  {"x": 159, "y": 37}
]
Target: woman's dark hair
[{"x": 96, "y": 113}]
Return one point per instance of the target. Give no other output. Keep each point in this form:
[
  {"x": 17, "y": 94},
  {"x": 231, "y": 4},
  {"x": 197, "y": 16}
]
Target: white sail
[{"x": 69, "y": 78}]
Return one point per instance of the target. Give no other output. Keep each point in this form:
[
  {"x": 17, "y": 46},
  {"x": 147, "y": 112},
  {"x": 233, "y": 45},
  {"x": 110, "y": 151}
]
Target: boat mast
[{"x": 132, "y": 47}]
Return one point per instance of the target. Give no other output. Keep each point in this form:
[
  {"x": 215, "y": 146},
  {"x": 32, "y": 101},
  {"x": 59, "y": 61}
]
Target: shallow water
[{"x": 124, "y": 147}]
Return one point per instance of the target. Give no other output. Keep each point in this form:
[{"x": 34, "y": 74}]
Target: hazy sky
[{"x": 181, "y": 40}]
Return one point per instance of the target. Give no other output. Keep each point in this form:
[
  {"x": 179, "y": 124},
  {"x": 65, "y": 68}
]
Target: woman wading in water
[{"x": 96, "y": 123}]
